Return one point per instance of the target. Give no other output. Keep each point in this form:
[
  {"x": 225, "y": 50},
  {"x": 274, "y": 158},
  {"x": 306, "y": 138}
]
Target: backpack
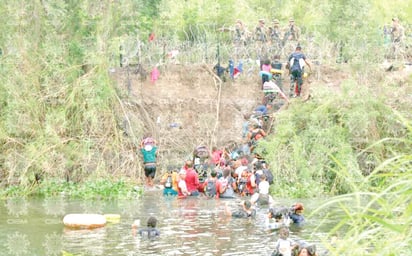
[
  {"x": 254, "y": 138},
  {"x": 211, "y": 189},
  {"x": 269, "y": 176},
  {"x": 169, "y": 182},
  {"x": 296, "y": 64},
  {"x": 202, "y": 152}
]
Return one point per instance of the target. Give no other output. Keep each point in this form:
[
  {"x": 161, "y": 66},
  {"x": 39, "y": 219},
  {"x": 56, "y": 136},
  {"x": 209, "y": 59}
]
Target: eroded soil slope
[{"x": 188, "y": 106}]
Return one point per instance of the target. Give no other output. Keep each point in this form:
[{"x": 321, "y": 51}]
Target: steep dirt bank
[{"x": 188, "y": 106}]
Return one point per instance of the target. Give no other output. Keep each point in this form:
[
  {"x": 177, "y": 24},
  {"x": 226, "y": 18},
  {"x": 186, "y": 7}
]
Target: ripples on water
[{"x": 194, "y": 226}]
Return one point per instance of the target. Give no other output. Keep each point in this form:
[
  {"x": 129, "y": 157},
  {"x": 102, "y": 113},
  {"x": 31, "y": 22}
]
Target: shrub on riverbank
[
  {"x": 92, "y": 189},
  {"x": 374, "y": 223},
  {"x": 331, "y": 144}
]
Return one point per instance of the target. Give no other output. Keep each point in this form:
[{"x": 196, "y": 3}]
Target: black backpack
[
  {"x": 211, "y": 189},
  {"x": 269, "y": 175},
  {"x": 169, "y": 182}
]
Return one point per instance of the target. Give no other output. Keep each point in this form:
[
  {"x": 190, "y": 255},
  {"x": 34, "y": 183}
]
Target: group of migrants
[
  {"x": 271, "y": 41},
  {"x": 231, "y": 172},
  {"x": 238, "y": 171}
]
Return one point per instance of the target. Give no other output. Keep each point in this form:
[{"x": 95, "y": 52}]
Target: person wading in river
[{"x": 149, "y": 152}]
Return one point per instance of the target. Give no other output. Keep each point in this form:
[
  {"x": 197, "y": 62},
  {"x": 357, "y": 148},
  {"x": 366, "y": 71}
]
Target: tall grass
[
  {"x": 329, "y": 144},
  {"x": 374, "y": 223}
]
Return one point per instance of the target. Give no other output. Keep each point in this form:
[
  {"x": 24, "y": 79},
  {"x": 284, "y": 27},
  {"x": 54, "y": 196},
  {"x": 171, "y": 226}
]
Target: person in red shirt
[
  {"x": 192, "y": 179},
  {"x": 212, "y": 186},
  {"x": 216, "y": 155}
]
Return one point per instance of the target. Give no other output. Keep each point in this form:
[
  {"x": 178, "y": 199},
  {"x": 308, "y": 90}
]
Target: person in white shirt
[
  {"x": 262, "y": 196},
  {"x": 284, "y": 245},
  {"x": 182, "y": 188}
]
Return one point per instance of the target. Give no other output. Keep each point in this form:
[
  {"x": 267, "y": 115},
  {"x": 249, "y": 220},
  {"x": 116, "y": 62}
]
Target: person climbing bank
[{"x": 149, "y": 152}]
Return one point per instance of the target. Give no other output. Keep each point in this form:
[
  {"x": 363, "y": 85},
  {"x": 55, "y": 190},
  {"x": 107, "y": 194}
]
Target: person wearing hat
[
  {"x": 241, "y": 34},
  {"x": 261, "y": 37},
  {"x": 397, "y": 31},
  {"x": 261, "y": 31},
  {"x": 149, "y": 152},
  {"x": 292, "y": 32},
  {"x": 275, "y": 34}
]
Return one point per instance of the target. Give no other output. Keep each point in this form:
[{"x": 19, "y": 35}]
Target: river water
[{"x": 195, "y": 226}]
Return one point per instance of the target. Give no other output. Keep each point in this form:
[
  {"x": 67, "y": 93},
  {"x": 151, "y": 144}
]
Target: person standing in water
[{"x": 149, "y": 152}]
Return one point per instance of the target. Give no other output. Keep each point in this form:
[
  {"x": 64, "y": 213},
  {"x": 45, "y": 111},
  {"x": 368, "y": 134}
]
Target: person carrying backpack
[
  {"x": 227, "y": 184},
  {"x": 296, "y": 63},
  {"x": 169, "y": 181},
  {"x": 149, "y": 153},
  {"x": 255, "y": 134},
  {"x": 212, "y": 186},
  {"x": 149, "y": 232}
]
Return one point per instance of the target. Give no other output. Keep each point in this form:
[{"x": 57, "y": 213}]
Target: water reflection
[{"x": 191, "y": 226}]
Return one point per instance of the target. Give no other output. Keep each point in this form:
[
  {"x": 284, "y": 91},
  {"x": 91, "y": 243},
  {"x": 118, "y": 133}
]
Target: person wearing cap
[
  {"x": 292, "y": 32},
  {"x": 261, "y": 38},
  {"x": 241, "y": 34},
  {"x": 275, "y": 34},
  {"x": 149, "y": 152},
  {"x": 296, "y": 213},
  {"x": 261, "y": 31},
  {"x": 397, "y": 31}
]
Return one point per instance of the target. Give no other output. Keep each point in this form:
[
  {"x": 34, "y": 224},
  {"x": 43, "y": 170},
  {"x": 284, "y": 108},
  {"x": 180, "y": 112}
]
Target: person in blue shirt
[
  {"x": 150, "y": 231},
  {"x": 247, "y": 211},
  {"x": 296, "y": 63},
  {"x": 296, "y": 214},
  {"x": 261, "y": 109}
]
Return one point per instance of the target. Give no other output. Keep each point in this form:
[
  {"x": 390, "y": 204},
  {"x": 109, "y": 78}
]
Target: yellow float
[
  {"x": 84, "y": 221},
  {"x": 112, "y": 218}
]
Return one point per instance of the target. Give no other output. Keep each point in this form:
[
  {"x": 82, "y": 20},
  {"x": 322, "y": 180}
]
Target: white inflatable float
[{"x": 84, "y": 221}]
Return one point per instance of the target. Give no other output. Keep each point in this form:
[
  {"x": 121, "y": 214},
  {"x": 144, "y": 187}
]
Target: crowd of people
[
  {"x": 234, "y": 172},
  {"x": 274, "y": 35},
  {"x": 238, "y": 171}
]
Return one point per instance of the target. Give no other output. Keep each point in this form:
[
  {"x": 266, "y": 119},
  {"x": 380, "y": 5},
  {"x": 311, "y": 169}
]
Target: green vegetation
[
  {"x": 332, "y": 144},
  {"x": 96, "y": 189},
  {"x": 62, "y": 121}
]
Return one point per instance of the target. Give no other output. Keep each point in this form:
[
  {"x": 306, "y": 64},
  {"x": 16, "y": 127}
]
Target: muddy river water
[{"x": 195, "y": 226}]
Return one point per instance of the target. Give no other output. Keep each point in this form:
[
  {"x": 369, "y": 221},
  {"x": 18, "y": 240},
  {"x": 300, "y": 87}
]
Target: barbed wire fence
[{"x": 208, "y": 45}]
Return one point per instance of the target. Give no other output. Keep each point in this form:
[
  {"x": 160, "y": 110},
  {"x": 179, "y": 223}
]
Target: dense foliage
[{"x": 61, "y": 117}]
